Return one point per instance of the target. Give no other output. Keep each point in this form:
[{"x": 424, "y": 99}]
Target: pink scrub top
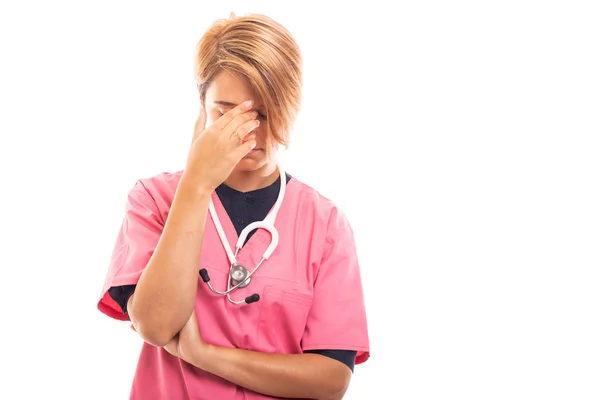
[{"x": 311, "y": 296}]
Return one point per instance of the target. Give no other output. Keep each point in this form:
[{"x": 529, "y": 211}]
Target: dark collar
[{"x": 270, "y": 191}]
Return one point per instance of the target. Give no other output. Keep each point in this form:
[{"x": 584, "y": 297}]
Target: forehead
[{"x": 231, "y": 87}]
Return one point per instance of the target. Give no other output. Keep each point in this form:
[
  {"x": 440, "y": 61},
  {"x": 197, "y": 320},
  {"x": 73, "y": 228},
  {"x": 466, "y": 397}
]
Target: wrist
[{"x": 193, "y": 186}]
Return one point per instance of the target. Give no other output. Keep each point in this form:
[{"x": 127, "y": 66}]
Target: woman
[{"x": 298, "y": 327}]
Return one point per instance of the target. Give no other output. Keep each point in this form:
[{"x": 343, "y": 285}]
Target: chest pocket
[{"x": 282, "y": 319}]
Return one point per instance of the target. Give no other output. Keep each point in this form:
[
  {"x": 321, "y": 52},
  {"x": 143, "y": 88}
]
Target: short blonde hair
[{"x": 265, "y": 53}]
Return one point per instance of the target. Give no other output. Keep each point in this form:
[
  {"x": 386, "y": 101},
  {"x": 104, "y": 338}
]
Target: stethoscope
[{"x": 240, "y": 276}]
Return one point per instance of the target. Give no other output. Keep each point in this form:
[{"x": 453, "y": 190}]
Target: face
[{"x": 227, "y": 91}]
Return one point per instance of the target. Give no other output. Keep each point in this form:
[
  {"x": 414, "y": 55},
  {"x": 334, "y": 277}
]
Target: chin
[{"x": 251, "y": 163}]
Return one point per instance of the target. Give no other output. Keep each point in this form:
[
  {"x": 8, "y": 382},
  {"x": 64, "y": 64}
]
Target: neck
[{"x": 246, "y": 181}]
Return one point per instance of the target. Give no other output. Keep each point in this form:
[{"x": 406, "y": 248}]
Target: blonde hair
[{"x": 265, "y": 53}]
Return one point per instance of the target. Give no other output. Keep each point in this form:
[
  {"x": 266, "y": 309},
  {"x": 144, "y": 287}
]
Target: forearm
[
  {"x": 309, "y": 376},
  {"x": 166, "y": 291}
]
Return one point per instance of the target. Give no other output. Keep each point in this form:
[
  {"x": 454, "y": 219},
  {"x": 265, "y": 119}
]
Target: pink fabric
[{"x": 310, "y": 289}]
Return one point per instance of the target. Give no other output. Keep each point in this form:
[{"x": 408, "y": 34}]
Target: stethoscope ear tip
[
  {"x": 252, "y": 299},
  {"x": 204, "y": 275}
]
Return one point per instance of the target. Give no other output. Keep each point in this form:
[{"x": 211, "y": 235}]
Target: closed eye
[{"x": 261, "y": 116}]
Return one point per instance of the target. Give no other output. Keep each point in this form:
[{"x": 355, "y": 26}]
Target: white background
[{"x": 460, "y": 138}]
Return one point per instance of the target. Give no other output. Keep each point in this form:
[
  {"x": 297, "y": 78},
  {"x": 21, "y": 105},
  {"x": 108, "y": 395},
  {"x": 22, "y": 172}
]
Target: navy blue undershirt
[{"x": 244, "y": 208}]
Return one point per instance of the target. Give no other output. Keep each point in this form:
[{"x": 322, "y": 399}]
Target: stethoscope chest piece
[{"x": 239, "y": 273}]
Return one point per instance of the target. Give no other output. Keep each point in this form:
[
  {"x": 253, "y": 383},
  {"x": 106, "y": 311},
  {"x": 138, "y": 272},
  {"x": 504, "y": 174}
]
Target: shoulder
[
  {"x": 320, "y": 206},
  {"x": 157, "y": 190},
  {"x": 163, "y": 183},
  {"x": 310, "y": 196}
]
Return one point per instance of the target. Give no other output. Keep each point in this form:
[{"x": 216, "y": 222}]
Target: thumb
[{"x": 200, "y": 124}]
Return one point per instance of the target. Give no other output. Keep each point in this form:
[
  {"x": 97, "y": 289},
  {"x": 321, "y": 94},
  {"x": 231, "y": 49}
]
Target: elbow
[
  {"x": 335, "y": 395},
  {"x": 337, "y": 388},
  {"x": 154, "y": 335},
  {"x": 153, "y": 332}
]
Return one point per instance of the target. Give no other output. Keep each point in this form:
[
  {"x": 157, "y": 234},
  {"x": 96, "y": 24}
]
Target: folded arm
[
  {"x": 165, "y": 293},
  {"x": 308, "y": 376}
]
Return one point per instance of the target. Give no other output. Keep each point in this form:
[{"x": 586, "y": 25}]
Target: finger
[
  {"x": 245, "y": 129},
  {"x": 243, "y": 149},
  {"x": 236, "y": 124},
  {"x": 200, "y": 124},
  {"x": 234, "y": 112},
  {"x": 250, "y": 136}
]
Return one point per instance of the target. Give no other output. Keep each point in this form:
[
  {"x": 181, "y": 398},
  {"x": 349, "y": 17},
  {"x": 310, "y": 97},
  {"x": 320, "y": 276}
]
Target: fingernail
[{"x": 248, "y": 103}]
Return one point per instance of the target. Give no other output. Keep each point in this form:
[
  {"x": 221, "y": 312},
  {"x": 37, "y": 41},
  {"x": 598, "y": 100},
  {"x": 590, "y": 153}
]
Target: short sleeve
[
  {"x": 138, "y": 236},
  {"x": 337, "y": 318}
]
